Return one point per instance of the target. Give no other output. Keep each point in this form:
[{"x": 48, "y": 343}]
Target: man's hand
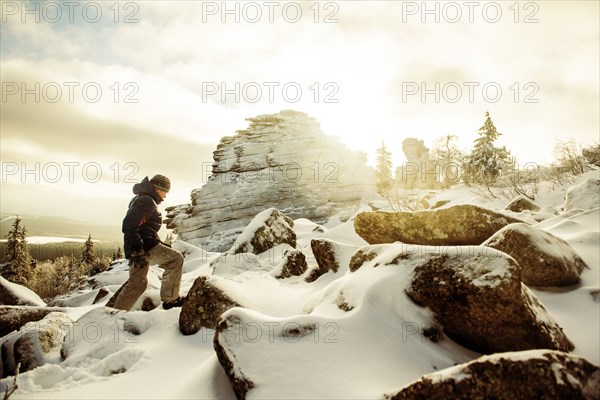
[{"x": 137, "y": 259}]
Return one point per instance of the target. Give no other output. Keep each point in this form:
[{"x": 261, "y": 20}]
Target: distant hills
[
  {"x": 108, "y": 236},
  {"x": 56, "y": 226}
]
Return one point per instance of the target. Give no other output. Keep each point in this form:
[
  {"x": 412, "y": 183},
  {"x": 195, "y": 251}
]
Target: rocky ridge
[{"x": 281, "y": 160}]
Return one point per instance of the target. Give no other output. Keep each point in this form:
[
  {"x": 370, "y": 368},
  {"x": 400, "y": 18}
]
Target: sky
[{"x": 98, "y": 94}]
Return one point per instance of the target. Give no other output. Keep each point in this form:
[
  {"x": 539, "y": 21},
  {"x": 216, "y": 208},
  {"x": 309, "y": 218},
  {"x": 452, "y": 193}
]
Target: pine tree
[
  {"x": 383, "y": 170},
  {"x": 75, "y": 272},
  {"x": 87, "y": 255},
  {"x": 17, "y": 263},
  {"x": 486, "y": 162},
  {"x": 90, "y": 263}
]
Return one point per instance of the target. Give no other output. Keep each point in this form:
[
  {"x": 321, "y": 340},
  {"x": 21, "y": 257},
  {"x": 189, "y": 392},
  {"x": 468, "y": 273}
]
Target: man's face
[{"x": 161, "y": 193}]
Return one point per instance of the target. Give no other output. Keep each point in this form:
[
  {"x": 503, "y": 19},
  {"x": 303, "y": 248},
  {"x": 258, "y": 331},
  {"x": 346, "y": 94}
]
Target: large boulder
[
  {"x": 477, "y": 295},
  {"x": 293, "y": 263},
  {"x": 12, "y": 294},
  {"x": 463, "y": 224},
  {"x": 522, "y": 203},
  {"x": 330, "y": 256},
  {"x": 545, "y": 259},
  {"x": 35, "y": 344},
  {"x": 534, "y": 374},
  {"x": 101, "y": 295},
  {"x": 240, "y": 383},
  {"x": 106, "y": 339},
  {"x": 268, "y": 229},
  {"x": 84, "y": 298},
  {"x": 203, "y": 305},
  {"x": 13, "y": 318},
  {"x": 584, "y": 196}
]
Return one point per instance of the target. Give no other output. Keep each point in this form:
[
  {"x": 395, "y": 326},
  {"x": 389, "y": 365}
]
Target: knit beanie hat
[{"x": 161, "y": 182}]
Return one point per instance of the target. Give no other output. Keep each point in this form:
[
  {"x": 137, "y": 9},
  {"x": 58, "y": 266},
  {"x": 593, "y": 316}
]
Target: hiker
[{"x": 143, "y": 246}]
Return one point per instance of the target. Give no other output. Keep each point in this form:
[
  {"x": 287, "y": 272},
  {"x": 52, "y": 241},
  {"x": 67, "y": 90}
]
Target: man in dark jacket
[{"x": 143, "y": 246}]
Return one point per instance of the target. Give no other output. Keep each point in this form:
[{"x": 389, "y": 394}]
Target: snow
[
  {"x": 358, "y": 351},
  {"x": 584, "y": 196},
  {"x": 374, "y": 348},
  {"x": 22, "y": 292}
]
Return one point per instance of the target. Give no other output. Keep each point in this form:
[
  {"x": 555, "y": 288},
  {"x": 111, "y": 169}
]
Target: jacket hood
[{"x": 145, "y": 187}]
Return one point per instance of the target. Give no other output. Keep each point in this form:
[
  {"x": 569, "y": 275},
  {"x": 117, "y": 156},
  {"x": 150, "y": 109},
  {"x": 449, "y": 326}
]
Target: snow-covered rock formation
[
  {"x": 281, "y": 160},
  {"x": 549, "y": 374}
]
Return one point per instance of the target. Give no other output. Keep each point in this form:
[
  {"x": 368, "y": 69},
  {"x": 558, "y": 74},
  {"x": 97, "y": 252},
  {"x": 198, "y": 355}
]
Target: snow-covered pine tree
[
  {"x": 17, "y": 263},
  {"x": 87, "y": 254},
  {"x": 486, "y": 161},
  {"x": 90, "y": 263},
  {"x": 383, "y": 170}
]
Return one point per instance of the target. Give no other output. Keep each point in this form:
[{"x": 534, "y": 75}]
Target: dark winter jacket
[{"x": 143, "y": 220}]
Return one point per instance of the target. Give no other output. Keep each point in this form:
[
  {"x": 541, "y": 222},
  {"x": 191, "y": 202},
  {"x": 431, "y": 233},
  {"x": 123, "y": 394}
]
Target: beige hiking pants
[{"x": 168, "y": 259}]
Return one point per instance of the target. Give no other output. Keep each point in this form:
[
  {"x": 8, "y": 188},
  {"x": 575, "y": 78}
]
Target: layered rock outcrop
[
  {"x": 281, "y": 160},
  {"x": 420, "y": 171}
]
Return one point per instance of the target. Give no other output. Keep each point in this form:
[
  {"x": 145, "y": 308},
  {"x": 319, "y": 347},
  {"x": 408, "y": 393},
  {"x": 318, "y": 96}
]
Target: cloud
[{"x": 165, "y": 58}]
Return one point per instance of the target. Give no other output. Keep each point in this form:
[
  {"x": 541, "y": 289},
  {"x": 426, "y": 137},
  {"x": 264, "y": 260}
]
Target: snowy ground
[{"x": 356, "y": 354}]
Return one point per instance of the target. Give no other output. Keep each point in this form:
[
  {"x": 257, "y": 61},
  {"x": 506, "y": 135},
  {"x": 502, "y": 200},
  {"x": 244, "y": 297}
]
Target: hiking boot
[{"x": 178, "y": 302}]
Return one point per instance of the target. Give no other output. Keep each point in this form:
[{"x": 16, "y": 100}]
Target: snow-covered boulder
[
  {"x": 330, "y": 256},
  {"x": 476, "y": 294},
  {"x": 210, "y": 296},
  {"x": 585, "y": 196},
  {"x": 545, "y": 259},
  {"x": 533, "y": 374},
  {"x": 13, "y": 294},
  {"x": 102, "y": 333},
  {"x": 84, "y": 298},
  {"x": 13, "y": 318},
  {"x": 353, "y": 339},
  {"x": 101, "y": 295},
  {"x": 463, "y": 224},
  {"x": 36, "y": 343},
  {"x": 268, "y": 229},
  {"x": 522, "y": 203},
  {"x": 103, "y": 342},
  {"x": 203, "y": 305},
  {"x": 293, "y": 263}
]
